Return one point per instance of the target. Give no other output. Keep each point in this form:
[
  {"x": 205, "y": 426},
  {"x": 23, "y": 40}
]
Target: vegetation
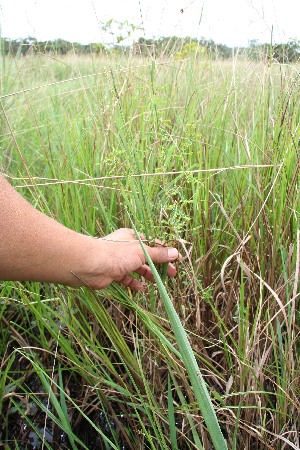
[
  {"x": 165, "y": 46},
  {"x": 202, "y": 152}
]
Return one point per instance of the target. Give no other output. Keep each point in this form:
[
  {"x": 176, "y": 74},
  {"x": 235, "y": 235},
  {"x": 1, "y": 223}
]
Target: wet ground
[
  {"x": 24, "y": 424},
  {"x": 35, "y": 432}
]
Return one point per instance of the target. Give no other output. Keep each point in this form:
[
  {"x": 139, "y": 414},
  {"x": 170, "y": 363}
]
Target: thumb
[{"x": 162, "y": 254}]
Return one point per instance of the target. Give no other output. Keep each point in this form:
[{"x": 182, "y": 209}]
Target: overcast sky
[{"x": 232, "y": 22}]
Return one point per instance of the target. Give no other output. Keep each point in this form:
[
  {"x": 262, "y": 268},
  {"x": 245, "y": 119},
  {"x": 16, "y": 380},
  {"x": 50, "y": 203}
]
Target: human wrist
[{"x": 91, "y": 256}]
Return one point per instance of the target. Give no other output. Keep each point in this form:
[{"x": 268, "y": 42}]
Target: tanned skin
[{"x": 34, "y": 247}]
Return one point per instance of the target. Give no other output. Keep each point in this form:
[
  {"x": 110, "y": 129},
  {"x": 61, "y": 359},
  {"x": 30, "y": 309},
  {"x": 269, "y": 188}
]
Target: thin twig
[{"x": 138, "y": 175}]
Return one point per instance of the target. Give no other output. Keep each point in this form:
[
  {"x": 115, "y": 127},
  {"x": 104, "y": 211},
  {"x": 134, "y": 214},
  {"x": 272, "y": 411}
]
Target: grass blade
[{"x": 189, "y": 360}]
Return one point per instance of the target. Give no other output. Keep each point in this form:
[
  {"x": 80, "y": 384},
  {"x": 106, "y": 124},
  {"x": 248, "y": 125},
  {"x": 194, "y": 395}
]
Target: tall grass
[{"x": 205, "y": 155}]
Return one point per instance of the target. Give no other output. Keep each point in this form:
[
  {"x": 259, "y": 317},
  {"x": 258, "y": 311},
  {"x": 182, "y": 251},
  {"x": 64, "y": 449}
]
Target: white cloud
[{"x": 233, "y": 22}]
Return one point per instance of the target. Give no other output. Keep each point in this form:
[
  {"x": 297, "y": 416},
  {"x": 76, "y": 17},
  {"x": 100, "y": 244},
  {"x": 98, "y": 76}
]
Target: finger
[
  {"x": 132, "y": 283},
  {"x": 163, "y": 254},
  {"x": 139, "y": 235},
  {"x": 171, "y": 270},
  {"x": 143, "y": 237},
  {"x": 156, "y": 242},
  {"x": 145, "y": 272}
]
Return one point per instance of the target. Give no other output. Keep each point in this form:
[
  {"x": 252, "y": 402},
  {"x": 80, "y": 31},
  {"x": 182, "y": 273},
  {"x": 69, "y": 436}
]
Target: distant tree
[
  {"x": 58, "y": 46},
  {"x": 98, "y": 48},
  {"x": 289, "y": 52},
  {"x": 173, "y": 46},
  {"x": 145, "y": 47},
  {"x": 192, "y": 49},
  {"x": 280, "y": 53}
]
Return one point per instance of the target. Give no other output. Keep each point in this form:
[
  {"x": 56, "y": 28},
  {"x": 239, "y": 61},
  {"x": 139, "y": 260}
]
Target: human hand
[{"x": 117, "y": 256}]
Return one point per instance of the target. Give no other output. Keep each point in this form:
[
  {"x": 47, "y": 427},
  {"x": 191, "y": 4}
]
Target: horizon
[{"x": 122, "y": 44}]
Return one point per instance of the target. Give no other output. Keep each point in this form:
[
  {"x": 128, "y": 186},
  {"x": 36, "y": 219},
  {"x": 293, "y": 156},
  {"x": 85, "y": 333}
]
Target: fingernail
[{"x": 172, "y": 253}]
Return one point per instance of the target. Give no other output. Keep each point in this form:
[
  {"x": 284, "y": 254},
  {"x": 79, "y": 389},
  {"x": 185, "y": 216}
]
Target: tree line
[{"x": 175, "y": 47}]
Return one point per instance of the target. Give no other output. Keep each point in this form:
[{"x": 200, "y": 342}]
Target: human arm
[{"x": 34, "y": 247}]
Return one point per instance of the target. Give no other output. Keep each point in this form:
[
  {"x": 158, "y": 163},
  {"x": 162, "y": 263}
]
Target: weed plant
[{"x": 204, "y": 155}]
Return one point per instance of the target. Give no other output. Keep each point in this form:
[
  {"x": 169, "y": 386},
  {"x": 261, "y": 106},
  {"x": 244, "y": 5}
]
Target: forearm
[{"x": 34, "y": 247}]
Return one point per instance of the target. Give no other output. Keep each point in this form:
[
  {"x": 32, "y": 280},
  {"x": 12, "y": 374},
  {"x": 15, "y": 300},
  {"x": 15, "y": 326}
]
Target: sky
[{"x": 231, "y": 22}]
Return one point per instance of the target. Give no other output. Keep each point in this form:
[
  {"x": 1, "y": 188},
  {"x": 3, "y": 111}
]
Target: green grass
[{"x": 204, "y": 155}]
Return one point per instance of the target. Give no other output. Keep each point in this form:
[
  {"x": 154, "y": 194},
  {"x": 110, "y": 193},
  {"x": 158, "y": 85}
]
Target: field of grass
[{"x": 203, "y": 154}]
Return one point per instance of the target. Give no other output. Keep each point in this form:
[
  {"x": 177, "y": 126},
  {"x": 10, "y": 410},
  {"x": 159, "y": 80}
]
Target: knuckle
[{"x": 162, "y": 253}]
